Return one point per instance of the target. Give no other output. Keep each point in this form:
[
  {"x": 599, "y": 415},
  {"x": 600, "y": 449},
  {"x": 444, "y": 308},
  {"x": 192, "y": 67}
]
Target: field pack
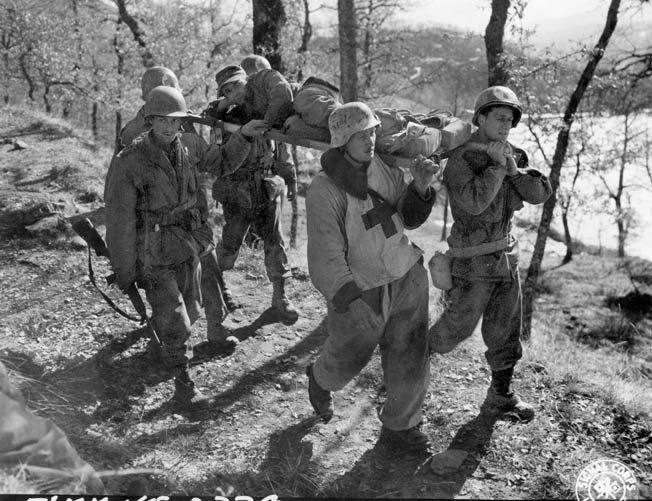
[{"x": 408, "y": 134}]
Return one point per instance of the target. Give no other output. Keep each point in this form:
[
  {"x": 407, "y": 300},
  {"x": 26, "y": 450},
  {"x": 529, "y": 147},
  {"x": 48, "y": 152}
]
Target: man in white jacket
[{"x": 371, "y": 275}]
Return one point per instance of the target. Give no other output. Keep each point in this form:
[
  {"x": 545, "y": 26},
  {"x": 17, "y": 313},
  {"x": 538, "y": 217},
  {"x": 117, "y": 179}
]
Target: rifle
[{"x": 85, "y": 229}]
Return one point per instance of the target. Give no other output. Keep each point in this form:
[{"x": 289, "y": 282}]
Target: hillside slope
[{"x": 84, "y": 367}]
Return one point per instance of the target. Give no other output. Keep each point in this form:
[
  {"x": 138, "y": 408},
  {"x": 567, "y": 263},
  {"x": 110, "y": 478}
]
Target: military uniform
[
  {"x": 157, "y": 229},
  {"x": 245, "y": 200},
  {"x": 486, "y": 280},
  {"x": 357, "y": 249},
  {"x": 212, "y": 281}
]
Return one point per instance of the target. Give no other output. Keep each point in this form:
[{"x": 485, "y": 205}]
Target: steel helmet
[
  {"x": 165, "y": 101},
  {"x": 253, "y": 63},
  {"x": 349, "y": 118},
  {"x": 155, "y": 76},
  {"x": 498, "y": 95}
]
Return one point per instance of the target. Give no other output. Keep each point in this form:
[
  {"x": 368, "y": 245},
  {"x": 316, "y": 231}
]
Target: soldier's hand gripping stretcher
[{"x": 500, "y": 152}]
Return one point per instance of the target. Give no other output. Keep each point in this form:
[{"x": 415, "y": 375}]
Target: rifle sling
[{"x": 109, "y": 301}]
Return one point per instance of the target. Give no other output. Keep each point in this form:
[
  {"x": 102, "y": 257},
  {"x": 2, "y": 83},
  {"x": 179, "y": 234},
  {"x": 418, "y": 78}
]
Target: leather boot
[
  {"x": 288, "y": 313},
  {"x": 501, "y": 400},
  {"x": 220, "y": 337},
  {"x": 186, "y": 395},
  {"x": 320, "y": 399}
]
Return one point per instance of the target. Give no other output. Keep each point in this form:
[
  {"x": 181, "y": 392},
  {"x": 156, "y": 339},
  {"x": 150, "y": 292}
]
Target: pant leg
[
  {"x": 465, "y": 304},
  {"x": 236, "y": 224},
  {"x": 211, "y": 291},
  {"x": 165, "y": 295},
  {"x": 502, "y": 324},
  {"x": 268, "y": 222},
  {"x": 405, "y": 351},
  {"x": 347, "y": 349}
]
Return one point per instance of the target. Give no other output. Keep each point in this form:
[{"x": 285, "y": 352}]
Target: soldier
[
  {"x": 371, "y": 275},
  {"x": 485, "y": 189},
  {"x": 217, "y": 299},
  {"x": 252, "y": 195},
  {"x": 156, "y": 223}
]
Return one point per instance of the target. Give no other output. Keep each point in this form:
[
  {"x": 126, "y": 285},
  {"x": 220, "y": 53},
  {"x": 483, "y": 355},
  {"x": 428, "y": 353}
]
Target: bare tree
[
  {"x": 136, "y": 31},
  {"x": 534, "y": 269},
  {"x": 348, "y": 38},
  {"x": 493, "y": 39}
]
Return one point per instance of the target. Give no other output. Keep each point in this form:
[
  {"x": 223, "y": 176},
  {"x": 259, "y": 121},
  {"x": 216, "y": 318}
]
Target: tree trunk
[
  {"x": 269, "y": 19},
  {"x": 444, "y": 228},
  {"x": 46, "y": 98},
  {"x": 306, "y": 35},
  {"x": 348, "y": 33},
  {"x": 493, "y": 40},
  {"x": 31, "y": 87},
  {"x": 534, "y": 269},
  {"x": 622, "y": 231},
  {"x": 295, "y": 203},
  {"x": 94, "y": 120},
  {"x": 119, "y": 70},
  {"x": 567, "y": 237}
]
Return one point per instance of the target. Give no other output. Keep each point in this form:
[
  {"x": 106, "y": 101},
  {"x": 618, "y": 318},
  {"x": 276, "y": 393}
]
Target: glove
[{"x": 364, "y": 317}]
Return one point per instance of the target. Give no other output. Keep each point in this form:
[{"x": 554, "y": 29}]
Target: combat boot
[
  {"x": 320, "y": 399},
  {"x": 186, "y": 395},
  {"x": 220, "y": 337},
  {"x": 501, "y": 400},
  {"x": 410, "y": 440},
  {"x": 288, "y": 313}
]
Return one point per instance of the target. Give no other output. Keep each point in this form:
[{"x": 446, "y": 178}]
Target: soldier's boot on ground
[
  {"x": 320, "y": 399},
  {"x": 410, "y": 440},
  {"x": 501, "y": 401},
  {"x": 287, "y": 311},
  {"x": 186, "y": 395},
  {"x": 220, "y": 337}
]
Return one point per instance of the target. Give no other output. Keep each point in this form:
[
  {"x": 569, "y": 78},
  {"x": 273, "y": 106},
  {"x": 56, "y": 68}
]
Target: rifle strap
[{"x": 109, "y": 301}]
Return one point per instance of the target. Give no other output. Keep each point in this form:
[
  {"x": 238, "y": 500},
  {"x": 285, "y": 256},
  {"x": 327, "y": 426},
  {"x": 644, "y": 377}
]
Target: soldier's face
[
  {"x": 361, "y": 145},
  {"x": 234, "y": 92},
  {"x": 497, "y": 123},
  {"x": 165, "y": 129}
]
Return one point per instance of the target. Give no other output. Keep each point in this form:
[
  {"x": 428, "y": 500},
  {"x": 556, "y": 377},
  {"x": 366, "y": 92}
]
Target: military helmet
[
  {"x": 155, "y": 76},
  {"x": 164, "y": 101},
  {"x": 498, "y": 96},
  {"x": 253, "y": 63},
  {"x": 349, "y": 118}
]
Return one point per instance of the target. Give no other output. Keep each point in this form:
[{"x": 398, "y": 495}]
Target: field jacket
[
  {"x": 356, "y": 238},
  {"x": 483, "y": 200},
  {"x": 269, "y": 97},
  {"x": 156, "y": 215}
]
